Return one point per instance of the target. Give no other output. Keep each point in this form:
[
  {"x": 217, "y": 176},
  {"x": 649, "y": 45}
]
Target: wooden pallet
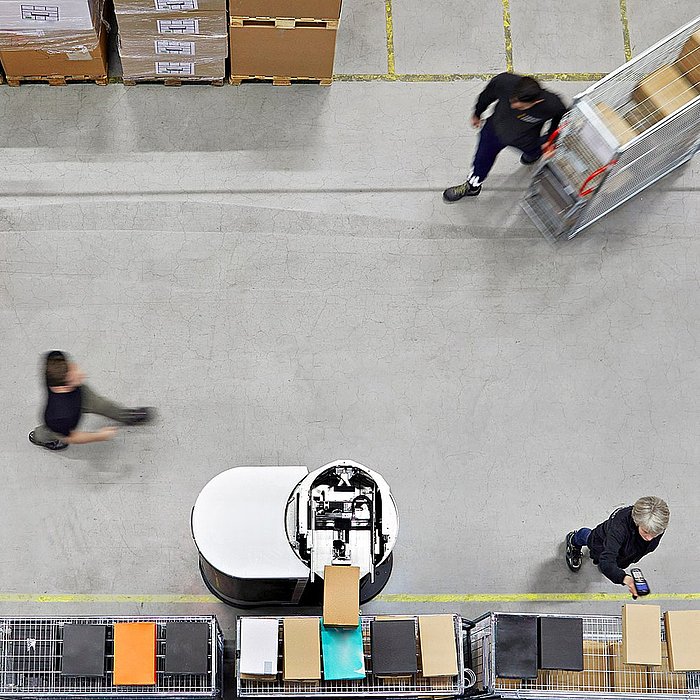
[
  {"x": 17, "y": 80},
  {"x": 283, "y": 22},
  {"x": 277, "y": 80},
  {"x": 173, "y": 81}
]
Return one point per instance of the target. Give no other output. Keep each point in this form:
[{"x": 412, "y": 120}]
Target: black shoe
[
  {"x": 51, "y": 445},
  {"x": 573, "y": 553},
  {"x": 452, "y": 194},
  {"x": 135, "y": 416},
  {"x": 528, "y": 161}
]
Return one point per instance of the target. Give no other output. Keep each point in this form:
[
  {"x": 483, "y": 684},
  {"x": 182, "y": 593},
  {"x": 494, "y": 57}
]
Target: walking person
[
  {"x": 68, "y": 397},
  {"x": 624, "y": 538},
  {"x": 522, "y": 109}
]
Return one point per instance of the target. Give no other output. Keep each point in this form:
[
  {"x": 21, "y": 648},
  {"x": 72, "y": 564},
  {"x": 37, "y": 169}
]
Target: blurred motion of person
[
  {"x": 523, "y": 107},
  {"x": 68, "y": 397}
]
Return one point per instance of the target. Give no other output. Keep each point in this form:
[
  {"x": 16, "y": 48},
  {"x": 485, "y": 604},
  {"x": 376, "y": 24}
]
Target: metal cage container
[
  {"x": 371, "y": 686},
  {"x": 604, "y": 677},
  {"x": 621, "y": 135},
  {"x": 31, "y": 653}
]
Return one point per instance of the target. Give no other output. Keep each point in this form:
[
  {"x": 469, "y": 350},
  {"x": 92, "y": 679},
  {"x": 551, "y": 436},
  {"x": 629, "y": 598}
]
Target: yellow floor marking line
[
  {"x": 507, "y": 36},
  {"x": 625, "y": 30},
  {"x": 525, "y": 597},
  {"x": 455, "y": 77},
  {"x": 382, "y": 598},
  {"x": 391, "y": 66}
]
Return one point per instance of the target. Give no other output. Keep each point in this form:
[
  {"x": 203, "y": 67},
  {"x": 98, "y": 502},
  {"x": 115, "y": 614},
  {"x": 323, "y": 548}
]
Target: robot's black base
[{"x": 256, "y": 594}]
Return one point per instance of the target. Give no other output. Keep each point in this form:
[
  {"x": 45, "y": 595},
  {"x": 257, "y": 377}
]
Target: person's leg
[
  {"x": 580, "y": 538},
  {"x": 92, "y": 402},
  {"x": 43, "y": 436},
  {"x": 574, "y": 541},
  {"x": 487, "y": 151}
]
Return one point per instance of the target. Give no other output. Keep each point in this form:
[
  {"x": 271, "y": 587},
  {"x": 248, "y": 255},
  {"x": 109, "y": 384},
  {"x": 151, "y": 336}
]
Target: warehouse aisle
[{"x": 275, "y": 270}]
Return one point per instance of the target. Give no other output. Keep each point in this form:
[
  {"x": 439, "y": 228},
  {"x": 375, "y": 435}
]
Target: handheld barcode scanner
[{"x": 640, "y": 583}]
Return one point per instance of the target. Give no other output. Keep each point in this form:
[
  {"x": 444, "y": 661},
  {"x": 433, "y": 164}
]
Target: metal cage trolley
[
  {"x": 371, "y": 686},
  {"x": 604, "y": 677},
  {"x": 31, "y": 651},
  {"x": 621, "y": 135}
]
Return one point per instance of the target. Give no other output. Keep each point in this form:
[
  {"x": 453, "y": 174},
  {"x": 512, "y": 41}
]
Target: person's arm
[
  {"x": 488, "y": 95},
  {"x": 80, "y": 437},
  {"x": 559, "y": 111}
]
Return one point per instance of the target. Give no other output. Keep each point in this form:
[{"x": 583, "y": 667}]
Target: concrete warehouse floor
[{"x": 275, "y": 270}]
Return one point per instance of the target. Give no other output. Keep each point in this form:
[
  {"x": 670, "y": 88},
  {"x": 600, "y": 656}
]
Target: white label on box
[
  {"x": 176, "y": 5},
  {"x": 181, "y": 48},
  {"x": 178, "y": 26},
  {"x": 170, "y": 68},
  {"x": 82, "y": 55},
  {"x": 40, "y": 13}
]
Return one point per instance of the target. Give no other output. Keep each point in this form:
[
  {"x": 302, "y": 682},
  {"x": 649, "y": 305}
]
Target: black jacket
[
  {"x": 616, "y": 543},
  {"x": 515, "y": 127}
]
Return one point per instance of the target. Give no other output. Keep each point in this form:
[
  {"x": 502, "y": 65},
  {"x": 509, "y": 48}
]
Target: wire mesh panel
[
  {"x": 413, "y": 686},
  {"x": 605, "y": 676},
  {"x": 31, "y": 651},
  {"x": 621, "y": 135}
]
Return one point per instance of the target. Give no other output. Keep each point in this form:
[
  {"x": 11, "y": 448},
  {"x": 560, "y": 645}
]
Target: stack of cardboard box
[
  {"x": 283, "y": 40},
  {"x": 172, "y": 40},
  {"x": 658, "y": 95},
  {"x": 65, "y": 40}
]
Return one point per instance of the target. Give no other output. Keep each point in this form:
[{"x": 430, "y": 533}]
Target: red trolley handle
[{"x": 584, "y": 191}]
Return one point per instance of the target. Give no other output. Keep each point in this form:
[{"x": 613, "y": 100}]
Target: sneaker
[
  {"x": 51, "y": 445},
  {"x": 135, "y": 416},
  {"x": 452, "y": 194},
  {"x": 573, "y": 553},
  {"x": 524, "y": 160}
]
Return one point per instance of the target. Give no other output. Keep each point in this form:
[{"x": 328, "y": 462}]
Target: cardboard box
[
  {"x": 259, "y": 645},
  {"x": 641, "y": 634},
  {"x": 617, "y": 125},
  {"x": 623, "y": 677},
  {"x": 302, "y": 649},
  {"x": 393, "y": 644},
  {"x": 180, "y": 48},
  {"x": 25, "y": 63},
  {"x": 438, "y": 648},
  {"x": 158, "y": 68},
  {"x": 341, "y": 596},
  {"x": 170, "y": 25},
  {"x": 663, "y": 92},
  {"x": 135, "y": 653},
  {"x": 663, "y": 680},
  {"x": 306, "y": 51},
  {"x": 309, "y": 9},
  {"x": 560, "y": 643},
  {"x": 138, "y": 6},
  {"x": 688, "y": 63},
  {"x": 683, "y": 639}
]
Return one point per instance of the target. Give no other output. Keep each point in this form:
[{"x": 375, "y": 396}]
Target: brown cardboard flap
[
  {"x": 626, "y": 678},
  {"x": 661, "y": 679},
  {"x": 641, "y": 634},
  {"x": 302, "y": 648},
  {"x": 302, "y": 52},
  {"x": 437, "y": 645},
  {"x": 688, "y": 63},
  {"x": 683, "y": 639},
  {"x": 308, "y": 9},
  {"x": 341, "y": 596},
  {"x": 618, "y": 126},
  {"x": 28, "y": 62},
  {"x": 663, "y": 92}
]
